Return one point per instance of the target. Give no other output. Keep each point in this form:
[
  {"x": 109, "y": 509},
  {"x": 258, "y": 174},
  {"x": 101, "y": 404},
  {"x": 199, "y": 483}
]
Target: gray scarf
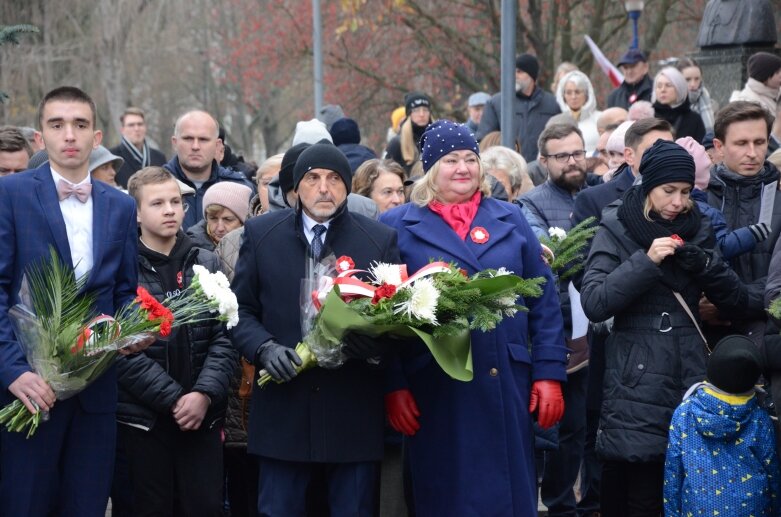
[{"x": 142, "y": 158}]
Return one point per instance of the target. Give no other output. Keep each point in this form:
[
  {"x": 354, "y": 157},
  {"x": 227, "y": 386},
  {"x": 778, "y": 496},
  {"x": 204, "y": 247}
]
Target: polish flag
[{"x": 613, "y": 73}]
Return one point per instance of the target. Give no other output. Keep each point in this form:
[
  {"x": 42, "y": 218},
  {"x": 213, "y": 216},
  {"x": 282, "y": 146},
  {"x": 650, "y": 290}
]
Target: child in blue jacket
[{"x": 721, "y": 457}]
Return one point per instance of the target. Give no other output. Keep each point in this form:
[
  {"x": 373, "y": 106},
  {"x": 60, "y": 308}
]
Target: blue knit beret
[{"x": 443, "y": 137}]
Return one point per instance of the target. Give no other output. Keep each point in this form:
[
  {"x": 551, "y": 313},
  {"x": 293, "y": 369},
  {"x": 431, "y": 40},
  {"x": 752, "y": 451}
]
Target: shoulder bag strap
[{"x": 691, "y": 316}]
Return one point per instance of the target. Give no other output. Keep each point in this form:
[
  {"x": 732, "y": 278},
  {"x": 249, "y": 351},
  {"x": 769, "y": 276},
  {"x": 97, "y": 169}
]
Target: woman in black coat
[
  {"x": 671, "y": 103},
  {"x": 653, "y": 244}
]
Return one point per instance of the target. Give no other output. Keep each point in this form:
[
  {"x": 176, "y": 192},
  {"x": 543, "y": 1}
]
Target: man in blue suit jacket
[{"x": 65, "y": 467}]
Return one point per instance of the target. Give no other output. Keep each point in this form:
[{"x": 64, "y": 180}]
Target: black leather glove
[
  {"x": 692, "y": 258},
  {"x": 361, "y": 346},
  {"x": 278, "y": 360}
]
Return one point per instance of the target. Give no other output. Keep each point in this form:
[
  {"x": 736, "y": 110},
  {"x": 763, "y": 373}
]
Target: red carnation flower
[
  {"x": 384, "y": 291},
  {"x": 165, "y": 328}
]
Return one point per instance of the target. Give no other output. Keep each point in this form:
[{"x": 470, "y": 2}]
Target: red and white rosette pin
[
  {"x": 479, "y": 235},
  {"x": 344, "y": 263}
]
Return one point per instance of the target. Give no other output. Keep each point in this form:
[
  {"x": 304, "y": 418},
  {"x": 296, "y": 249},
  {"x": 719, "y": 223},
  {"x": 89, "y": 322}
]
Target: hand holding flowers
[
  {"x": 69, "y": 347},
  {"x": 439, "y": 304}
]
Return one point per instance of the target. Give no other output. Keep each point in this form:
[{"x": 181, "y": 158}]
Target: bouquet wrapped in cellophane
[
  {"x": 439, "y": 304},
  {"x": 70, "y": 346}
]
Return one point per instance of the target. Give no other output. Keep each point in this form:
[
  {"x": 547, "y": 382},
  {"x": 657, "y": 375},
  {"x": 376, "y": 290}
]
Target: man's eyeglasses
[{"x": 564, "y": 157}]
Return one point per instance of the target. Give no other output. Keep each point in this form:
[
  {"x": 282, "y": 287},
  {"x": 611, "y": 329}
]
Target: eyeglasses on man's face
[{"x": 564, "y": 157}]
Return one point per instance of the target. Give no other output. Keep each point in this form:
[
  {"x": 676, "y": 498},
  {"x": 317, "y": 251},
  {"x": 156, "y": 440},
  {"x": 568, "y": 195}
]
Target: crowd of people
[{"x": 642, "y": 385}]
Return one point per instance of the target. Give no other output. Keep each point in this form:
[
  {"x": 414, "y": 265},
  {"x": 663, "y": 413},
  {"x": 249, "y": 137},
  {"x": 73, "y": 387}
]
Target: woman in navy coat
[{"x": 469, "y": 445}]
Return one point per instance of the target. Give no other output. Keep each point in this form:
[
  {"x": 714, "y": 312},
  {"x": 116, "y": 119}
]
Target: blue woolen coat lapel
[
  {"x": 50, "y": 204},
  {"x": 432, "y": 229},
  {"x": 100, "y": 219}
]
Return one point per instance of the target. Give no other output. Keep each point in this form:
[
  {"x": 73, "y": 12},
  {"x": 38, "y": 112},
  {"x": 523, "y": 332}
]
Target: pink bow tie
[{"x": 81, "y": 191}]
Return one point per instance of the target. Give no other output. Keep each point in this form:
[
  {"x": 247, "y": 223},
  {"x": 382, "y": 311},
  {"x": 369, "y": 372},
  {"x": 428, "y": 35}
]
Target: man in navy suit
[{"x": 65, "y": 467}]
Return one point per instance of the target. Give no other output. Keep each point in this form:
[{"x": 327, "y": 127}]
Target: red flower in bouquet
[
  {"x": 155, "y": 310},
  {"x": 83, "y": 338},
  {"x": 384, "y": 291},
  {"x": 145, "y": 300},
  {"x": 165, "y": 327},
  {"x": 344, "y": 263}
]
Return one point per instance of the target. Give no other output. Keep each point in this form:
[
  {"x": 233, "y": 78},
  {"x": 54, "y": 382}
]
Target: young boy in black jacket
[{"x": 172, "y": 397}]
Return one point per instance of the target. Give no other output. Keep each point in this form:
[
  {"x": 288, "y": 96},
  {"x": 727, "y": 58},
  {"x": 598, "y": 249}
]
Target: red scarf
[{"x": 458, "y": 215}]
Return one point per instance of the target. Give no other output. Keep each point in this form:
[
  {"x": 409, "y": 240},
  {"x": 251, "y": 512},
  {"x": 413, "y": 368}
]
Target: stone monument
[{"x": 730, "y": 32}]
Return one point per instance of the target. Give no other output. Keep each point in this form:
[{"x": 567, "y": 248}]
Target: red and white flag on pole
[{"x": 613, "y": 73}]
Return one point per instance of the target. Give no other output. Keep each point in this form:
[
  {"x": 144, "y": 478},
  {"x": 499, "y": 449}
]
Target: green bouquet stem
[
  {"x": 308, "y": 361},
  {"x": 16, "y": 418}
]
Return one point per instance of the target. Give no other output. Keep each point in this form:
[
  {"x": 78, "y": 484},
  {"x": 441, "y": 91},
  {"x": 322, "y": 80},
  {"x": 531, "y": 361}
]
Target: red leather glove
[
  {"x": 547, "y": 399},
  {"x": 402, "y": 411}
]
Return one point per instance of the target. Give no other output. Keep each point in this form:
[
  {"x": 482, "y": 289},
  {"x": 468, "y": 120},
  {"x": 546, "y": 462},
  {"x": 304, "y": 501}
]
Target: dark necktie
[{"x": 317, "y": 240}]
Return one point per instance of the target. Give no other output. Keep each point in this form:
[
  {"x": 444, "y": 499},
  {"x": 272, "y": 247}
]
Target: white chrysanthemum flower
[
  {"x": 386, "y": 273},
  {"x": 557, "y": 233},
  {"x": 507, "y": 301},
  {"x": 422, "y": 303},
  {"x": 503, "y": 271}
]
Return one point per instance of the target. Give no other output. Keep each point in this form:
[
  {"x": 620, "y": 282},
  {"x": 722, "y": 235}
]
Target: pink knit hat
[
  {"x": 233, "y": 196},
  {"x": 702, "y": 162}
]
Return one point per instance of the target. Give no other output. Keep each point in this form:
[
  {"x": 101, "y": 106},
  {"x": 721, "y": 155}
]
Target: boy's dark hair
[
  {"x": 147, "y": 176},
  {"x": 634, "y": 135},
  {"x": 739, "y": 111},
  {"x": 67, "y": 93},
  {"x": 12, "y": 140}
]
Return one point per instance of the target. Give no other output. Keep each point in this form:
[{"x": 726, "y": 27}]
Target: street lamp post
[{"x": 633, "y": 10}]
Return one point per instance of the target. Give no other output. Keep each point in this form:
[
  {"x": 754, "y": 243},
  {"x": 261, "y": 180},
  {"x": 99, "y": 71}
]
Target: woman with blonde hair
[
  {"x": 403, "y": 149},
  {"x": 650, "y": 262},
  {"x": 518, "y": 366}
]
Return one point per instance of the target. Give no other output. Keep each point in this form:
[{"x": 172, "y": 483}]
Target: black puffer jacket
[
  {"x": 146, "y": 387},
  {"x": 654, "y": 353},
  {"x": 740, "y": 200}
]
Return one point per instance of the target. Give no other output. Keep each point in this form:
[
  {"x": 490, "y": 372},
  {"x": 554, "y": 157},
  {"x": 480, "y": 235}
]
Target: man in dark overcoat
[{"x": 322, "y": 422}]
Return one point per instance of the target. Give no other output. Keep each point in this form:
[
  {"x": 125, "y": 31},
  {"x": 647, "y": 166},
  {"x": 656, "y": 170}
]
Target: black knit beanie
[
  {"x": 288, "y": 164},
  {"x": 735, "y": 364},
  {"x": 414, "y": 100},
  {"x": 763, "y": 65},
  {"x": 665, "y": 162},
  {"x": 323, "y": 155},
  {"x": 345, "y": 131},
  {"x": 528, "y": 64}
]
